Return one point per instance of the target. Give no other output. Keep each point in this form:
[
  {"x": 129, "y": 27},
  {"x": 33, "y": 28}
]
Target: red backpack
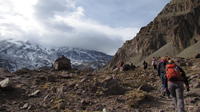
[{"x": 173, "y": 72}]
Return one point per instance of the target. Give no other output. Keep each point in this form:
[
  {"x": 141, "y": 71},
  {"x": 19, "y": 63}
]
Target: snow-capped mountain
[{"x": 15, "y": 55}]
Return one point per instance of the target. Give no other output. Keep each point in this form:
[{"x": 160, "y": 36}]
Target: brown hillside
[
  {"x": 191, "y": 51},
  {"x": 136, "y": 90},
  {"x": 178, "y": 24}
]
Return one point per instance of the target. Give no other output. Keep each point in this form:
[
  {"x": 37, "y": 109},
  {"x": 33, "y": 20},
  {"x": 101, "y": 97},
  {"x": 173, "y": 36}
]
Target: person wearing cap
[{"x": 176, "y": 78}]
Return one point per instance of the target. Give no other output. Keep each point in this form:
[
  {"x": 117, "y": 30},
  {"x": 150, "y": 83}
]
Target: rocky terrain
[
  {"x": 174, "y": 32},
  {"x": 138, "y": 90},
  {"x": 16, "y": 55}
]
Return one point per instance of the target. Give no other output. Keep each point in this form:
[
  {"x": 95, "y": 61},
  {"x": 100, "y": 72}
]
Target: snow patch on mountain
[{"x": 16, "y": 55}]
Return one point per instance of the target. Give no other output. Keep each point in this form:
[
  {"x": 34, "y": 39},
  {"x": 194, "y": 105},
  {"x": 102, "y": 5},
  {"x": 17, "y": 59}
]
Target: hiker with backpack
[
  {"x": 176, "y": 78},
  {"x": 161, "y": 73}
]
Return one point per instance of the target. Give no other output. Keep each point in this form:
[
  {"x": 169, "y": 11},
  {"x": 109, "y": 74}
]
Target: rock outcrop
[
  {"x": 62, "y": 63},
  {"x": 176, "y": 28}
]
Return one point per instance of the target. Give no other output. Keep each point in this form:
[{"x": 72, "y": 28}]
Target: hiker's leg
[
  {"x": 172, "y": 90},
  {"x": 180, "y": 98},
  {"x": 163, "y": 86},
  {"x": 166, "y": 86},
  {"x": 155, "y": 67},
  {"x": 163, "y": 79}
]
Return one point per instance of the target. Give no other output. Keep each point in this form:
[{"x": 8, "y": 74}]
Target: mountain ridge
[
  {"x": 15, "y": 55},
  {"x": 176, "y": 25}
]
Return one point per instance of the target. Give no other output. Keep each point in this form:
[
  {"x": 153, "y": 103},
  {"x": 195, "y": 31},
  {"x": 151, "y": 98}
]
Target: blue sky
[
  {"x": 123, "y": 13},
  {"x": 102, "y": 25}
]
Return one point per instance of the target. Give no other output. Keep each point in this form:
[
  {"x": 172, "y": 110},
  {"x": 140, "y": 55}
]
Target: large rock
[
  {"x": 197, "y": 56},
  {"x": 147, "y": 88},
  {"x": 34, "y": 93},
  {"x": 112, "y": 86},
  {"x": 62, "y": 63},
  {"x": 5, "y": 83},
  {"x": 197, "y": 85}
]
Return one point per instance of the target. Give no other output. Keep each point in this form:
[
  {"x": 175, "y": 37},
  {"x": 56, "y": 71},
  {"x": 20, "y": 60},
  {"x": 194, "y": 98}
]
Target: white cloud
[
  {"x": 59, "y": 23},
  {"x": 17, "y": 18}
]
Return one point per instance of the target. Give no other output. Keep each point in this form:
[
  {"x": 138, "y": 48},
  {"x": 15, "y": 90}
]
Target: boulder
[
  {"x": 197, "y": 55},
  {"x": 5, "y": 83},
  {"x": 25, "y": 106},
  {"x": 197, "y": 85},
  {"x": 195, "y": 67},
  {"x": 61, "y": 105},
  {"x": 128, "y": 67},
  {"x": 60, "y": 92},
  {"x": 146, "y": 88},
  {"x": 112, "y": 86},
  {"x": 34, "y": 93},
  {"x": 136, "y": 97},
  {"x": 105, "y": 110},
  {"x": 62, "y": 63}
]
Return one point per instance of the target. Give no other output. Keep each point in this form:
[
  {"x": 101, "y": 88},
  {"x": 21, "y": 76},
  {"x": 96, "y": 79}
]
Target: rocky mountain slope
[
  {"x": 176, "y": 28},
  {"x": 15, "y": 55},
  {"x": 77, "y": 91}
]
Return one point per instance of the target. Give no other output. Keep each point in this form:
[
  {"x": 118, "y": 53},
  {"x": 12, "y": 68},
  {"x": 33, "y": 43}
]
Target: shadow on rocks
[
  {"x": 11, "y": 93},
  {"x": 112, "y": 86}
]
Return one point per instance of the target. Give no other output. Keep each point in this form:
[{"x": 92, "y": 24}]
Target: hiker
[
  {"x": 145, "y": 64},
  {"x": 154, "y": 63},
  {"x": 176, "y": 78},
  {"x": 161, "y": 73}
]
